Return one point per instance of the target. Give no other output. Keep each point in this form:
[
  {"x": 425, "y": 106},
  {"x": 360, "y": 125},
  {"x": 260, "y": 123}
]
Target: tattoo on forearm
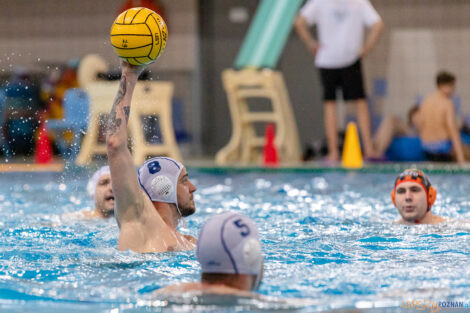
[
  {"x": 113, "y": 122},
  {"x": 127, "y": 111}
]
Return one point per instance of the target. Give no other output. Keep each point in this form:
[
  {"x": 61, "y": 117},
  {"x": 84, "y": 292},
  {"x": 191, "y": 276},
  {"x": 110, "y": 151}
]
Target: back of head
[
  {"x": 158, "y": 177},
  {"x": 229, "y": 244},
  {"x": 444, "y": 78}
]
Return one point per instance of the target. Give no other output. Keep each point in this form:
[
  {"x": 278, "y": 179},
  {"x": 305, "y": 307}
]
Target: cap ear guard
[
  {"x": 432, "y": 194},
  {"x": 162, "y": 187},
  {"x": 393, "y": 197},
  {"x": 158, "y": 177},
  {"x": 252, "y": 253}
]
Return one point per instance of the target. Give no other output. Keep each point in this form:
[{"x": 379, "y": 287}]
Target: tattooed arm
[{"x": 126, "y": 189}]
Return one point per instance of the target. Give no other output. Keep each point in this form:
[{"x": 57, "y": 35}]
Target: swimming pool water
[{"x": 328, "y": 239}]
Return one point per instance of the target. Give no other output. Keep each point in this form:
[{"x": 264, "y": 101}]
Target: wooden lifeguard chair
[
  {"x": 153, "y": 99},
  {"x": 245, "y": 145},
  {"x": 150, "y": 99},
  {"x": 256, "y": 78}
]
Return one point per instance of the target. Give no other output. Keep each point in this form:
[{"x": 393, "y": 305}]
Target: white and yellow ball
[{"x": 139, "y": 36}]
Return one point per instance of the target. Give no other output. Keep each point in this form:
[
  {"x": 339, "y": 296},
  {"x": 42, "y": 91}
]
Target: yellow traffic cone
[{"x": 352, "y": 155}]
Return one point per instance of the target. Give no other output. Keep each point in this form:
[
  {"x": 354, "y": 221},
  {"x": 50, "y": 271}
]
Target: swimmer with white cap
[
  {"x": 100, "y": 192},
  {"x": 229, "y": 252},
  {"x": 148, "y": 204},
  {"x": 413, "y": 196}
]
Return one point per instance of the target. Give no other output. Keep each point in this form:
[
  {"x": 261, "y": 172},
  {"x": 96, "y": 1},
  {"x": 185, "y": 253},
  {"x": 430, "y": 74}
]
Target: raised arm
[{"x": 126, "y": 189}]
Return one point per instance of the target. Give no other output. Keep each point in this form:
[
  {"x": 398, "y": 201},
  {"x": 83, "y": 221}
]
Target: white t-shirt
[{"x": 340, "y": 25}]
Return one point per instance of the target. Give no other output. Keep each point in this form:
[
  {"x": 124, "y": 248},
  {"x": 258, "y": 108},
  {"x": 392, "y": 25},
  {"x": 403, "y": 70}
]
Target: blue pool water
[{"x": 327, "y": 238}]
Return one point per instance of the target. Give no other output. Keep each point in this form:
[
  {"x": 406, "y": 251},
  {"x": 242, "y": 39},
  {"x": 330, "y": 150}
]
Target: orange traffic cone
[
  {"x": 270, "y": 157},
  {"x": 43, "y": 152}
]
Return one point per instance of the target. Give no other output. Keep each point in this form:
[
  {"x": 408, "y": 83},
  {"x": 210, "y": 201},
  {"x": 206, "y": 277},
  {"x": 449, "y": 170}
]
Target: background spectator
[{"x": 338, "y": 55}]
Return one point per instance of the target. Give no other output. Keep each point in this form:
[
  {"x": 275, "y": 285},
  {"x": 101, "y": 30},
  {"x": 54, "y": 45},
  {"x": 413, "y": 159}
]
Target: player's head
[
  {"x": 413, "y": 195},
  {"x": 166, "y": 180},
  {"x": 229, "y": 251},
  {"x": 99, "y": 189},
  {"x": 445, "y": 82}
]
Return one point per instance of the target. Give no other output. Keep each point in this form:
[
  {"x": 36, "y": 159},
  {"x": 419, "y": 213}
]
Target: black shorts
[
  {"x": 348, "y": 79},
  {"x": 438, "y": 157}
]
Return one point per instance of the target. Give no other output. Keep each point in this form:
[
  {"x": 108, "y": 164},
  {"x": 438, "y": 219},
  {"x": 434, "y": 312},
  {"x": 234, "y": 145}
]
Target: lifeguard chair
[
  {"x": 150, "y": 98},
  {"x": 245, "y": 145},
  {"x": 254, "y": 78}
]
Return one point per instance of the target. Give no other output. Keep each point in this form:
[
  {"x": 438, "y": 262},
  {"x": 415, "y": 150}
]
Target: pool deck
[{"x": 25, "y": 164}]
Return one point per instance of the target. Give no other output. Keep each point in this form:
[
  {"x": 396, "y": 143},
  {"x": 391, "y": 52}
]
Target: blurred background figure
[
  {"x": 393, "y": 126},
  {"x": 437, "y": 125},
  {"x": 54, "y": 86},
  {"x": 338, "y": 54},
  {"x": 20, "y": 113}
]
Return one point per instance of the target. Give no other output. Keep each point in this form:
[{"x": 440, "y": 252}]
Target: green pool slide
[{"x": 267, "y": 34}]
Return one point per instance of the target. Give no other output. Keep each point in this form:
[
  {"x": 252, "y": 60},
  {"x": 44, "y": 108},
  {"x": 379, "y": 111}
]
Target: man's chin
[
  {"x": 409, "y": 218},
  {"x": 108, "y": 207},
  {"x": 188, "y": 211}
]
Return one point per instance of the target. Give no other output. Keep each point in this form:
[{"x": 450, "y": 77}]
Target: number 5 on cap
[{"x": 244, "y": 227}]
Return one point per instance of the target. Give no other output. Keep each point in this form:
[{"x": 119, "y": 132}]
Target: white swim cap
[
  {"x": 229, "y": 243},
  {"x": 91, "y": 186},
  {"x": 159, "y": 179}
]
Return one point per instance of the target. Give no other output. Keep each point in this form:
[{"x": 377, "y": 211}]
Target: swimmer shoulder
[
  {"x": 83, "y": 214},
  {"x": 148, "y": 232},
  {"x": 434, "y": 220},
  {"x": 202, "y": 288}
]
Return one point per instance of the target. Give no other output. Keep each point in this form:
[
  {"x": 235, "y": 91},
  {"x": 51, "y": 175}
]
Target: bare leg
[
  {"x": 331, "y": 129},
  {"x": 363, "y": 119},
  {"x": 389, "y": 128}
]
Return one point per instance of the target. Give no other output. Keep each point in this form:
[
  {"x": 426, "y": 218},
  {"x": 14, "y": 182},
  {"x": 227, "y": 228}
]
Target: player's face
[
  {"x": 411, "y": 201},
  {"x": 448, "y": 89},
  {"x": 185, "y": 195},
  {"x": 104, "y": 197}
]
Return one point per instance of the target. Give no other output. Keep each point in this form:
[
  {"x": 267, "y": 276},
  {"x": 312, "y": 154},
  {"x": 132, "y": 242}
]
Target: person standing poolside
[
  {"x": 229, "y": 252},
  {"x": 438, "y": 128},
  {"x": 413, "y": 196},
  {"x": 150, "y": 203},
  {"x": 338, "y": 54}
]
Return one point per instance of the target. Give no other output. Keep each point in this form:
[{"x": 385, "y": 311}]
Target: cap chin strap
[{"x": 181, "y": 219}]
